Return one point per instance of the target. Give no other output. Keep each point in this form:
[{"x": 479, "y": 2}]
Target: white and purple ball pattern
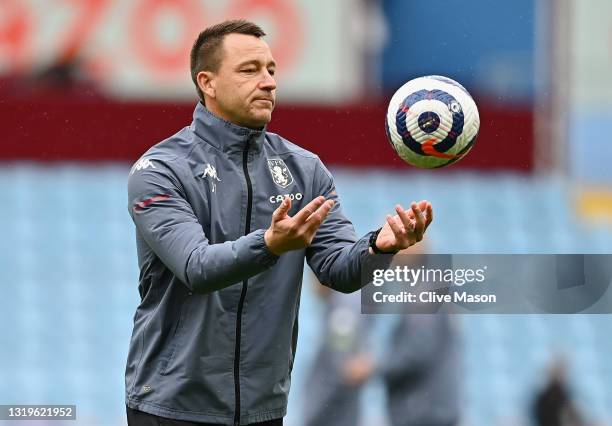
[{"x": 432, "y": 121}]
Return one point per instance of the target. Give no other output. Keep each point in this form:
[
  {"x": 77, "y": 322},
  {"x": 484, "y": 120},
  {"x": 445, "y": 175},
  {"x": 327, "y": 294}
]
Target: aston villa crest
[{"x": 280, "y": 173}]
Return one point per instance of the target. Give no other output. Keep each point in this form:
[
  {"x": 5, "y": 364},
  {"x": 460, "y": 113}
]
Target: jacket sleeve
[
  {"x": 167, "y": 223},
  {"x": 336, "y": 254}
]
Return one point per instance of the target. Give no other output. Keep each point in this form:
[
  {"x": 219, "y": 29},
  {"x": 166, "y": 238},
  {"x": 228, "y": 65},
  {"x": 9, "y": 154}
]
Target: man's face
[{"x": 244, "y": 89}]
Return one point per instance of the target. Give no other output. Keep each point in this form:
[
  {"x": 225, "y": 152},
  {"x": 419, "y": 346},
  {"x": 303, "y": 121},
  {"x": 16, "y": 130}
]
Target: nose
[{"x": 267, "y": 81}]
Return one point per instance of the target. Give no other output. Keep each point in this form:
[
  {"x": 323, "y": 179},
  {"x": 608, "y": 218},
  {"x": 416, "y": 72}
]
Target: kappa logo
[
  {"x": 280, "y": 172},
  {"x": 211, "y": 172},
  {"x": 143, "y": 163}
]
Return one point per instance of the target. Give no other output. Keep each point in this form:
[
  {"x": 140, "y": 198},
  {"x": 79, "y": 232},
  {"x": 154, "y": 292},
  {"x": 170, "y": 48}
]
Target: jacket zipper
[{"x": 247, "y": 230}]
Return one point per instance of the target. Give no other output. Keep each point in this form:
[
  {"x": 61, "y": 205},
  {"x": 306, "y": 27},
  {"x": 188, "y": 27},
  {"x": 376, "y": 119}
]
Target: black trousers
[{"x": 139, "y": 418}]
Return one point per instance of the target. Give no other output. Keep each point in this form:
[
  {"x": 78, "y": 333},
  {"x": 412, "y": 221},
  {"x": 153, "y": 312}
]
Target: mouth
[{"x": 265, "y": 100}]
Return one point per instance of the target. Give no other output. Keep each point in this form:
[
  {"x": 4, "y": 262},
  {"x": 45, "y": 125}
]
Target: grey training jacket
[{"x": 215, "y": 333}]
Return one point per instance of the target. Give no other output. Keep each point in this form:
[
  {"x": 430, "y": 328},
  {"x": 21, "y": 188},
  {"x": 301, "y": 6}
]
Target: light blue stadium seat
[{"x": 69, "y": 285}]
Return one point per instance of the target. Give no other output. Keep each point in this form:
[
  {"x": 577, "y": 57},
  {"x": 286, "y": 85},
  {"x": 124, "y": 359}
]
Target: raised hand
[
  {"x": 291, "y": 233},
  {"x": 406, "y": 228}
]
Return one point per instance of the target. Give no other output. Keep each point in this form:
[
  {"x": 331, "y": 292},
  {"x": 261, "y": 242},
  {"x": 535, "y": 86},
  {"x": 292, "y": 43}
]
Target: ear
[{"x": 206, "y": 83}]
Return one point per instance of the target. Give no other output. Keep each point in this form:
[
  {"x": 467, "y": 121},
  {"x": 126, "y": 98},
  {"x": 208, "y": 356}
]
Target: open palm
[{"x": 406, "y": 228}]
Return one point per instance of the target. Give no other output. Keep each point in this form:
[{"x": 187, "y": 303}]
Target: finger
[
  {"x": 419, "y": 225},
  {"x": 281, "y": 212},
  {"x": 397, "y": 229},
  {"x": 310, "y": 208},
  {"x": 429, "y": 215},
  {"x": 423, "y": 205},
  {"x": 316, "y": 219},
  {"x": 410, "y": 214},
  {"x": 393, "y": 224},
  {"x": 328, "y": 204},
  {"x": 406, "y": 218}
]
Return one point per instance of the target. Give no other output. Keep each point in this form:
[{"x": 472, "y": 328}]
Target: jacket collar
[{"x": 224, "y": 135}]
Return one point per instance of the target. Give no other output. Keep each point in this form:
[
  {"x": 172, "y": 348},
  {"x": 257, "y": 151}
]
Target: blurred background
[{"x": 86, "y": 86}]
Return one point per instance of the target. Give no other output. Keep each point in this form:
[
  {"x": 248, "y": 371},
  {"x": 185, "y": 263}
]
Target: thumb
[{"x": 282, "y": 210}]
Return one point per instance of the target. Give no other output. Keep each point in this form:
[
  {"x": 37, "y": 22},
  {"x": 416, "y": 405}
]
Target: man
[
  {"x": 222, "y": 234},
  {"x": 421, "y": 360},
  {"x": 334, "y": 384},
  {"x": 421, "y": 374}
]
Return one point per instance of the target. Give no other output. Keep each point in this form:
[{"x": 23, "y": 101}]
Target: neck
[
  {"x": 214, "y": 109},
  {"x": 224, "y": 134}
]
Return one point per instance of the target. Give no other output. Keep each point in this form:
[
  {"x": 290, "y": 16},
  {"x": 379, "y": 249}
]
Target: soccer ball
[{"x": 432, "y": 122}]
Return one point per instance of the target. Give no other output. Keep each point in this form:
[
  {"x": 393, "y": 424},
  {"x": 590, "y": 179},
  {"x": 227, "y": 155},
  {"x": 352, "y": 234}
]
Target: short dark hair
[{"x": 206, "y": 53}]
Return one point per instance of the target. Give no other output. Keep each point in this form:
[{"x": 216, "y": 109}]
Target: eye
[
  {"x": 249, "y": 70},
  {"x": 271, "y": 71}
]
